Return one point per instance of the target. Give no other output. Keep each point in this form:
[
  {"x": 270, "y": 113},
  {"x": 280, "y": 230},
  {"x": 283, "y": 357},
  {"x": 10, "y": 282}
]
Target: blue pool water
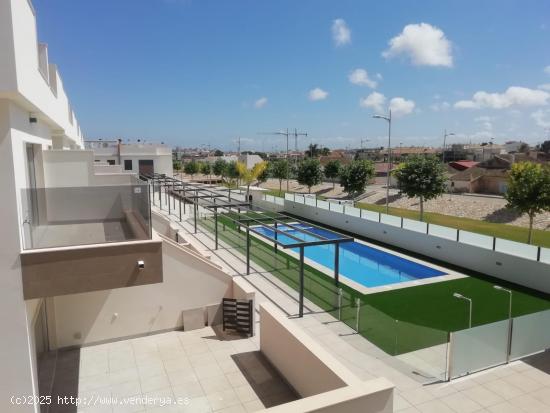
[{"x": 367, "y": 266}]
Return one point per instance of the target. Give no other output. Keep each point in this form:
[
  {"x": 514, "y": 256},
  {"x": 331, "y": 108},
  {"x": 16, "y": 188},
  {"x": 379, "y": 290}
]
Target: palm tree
[{"x": 248, "y": 176}]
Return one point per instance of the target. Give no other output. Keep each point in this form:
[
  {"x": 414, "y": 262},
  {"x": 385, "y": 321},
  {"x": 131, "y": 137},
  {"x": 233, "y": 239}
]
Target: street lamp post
[
  {"x": 509, "y": 349},
  {"x": 445, "y": 134},
  {"x": 388, "y": 119},
  {"x": 461, "y": 297}
]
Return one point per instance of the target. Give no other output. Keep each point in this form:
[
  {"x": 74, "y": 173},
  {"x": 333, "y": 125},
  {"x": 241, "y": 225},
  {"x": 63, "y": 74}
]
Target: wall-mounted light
[
  {"x": 33, "y": 118},
  {"x": 141, "y": 264}
]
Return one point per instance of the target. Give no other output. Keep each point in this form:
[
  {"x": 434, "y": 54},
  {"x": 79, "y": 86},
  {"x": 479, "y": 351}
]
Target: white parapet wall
[
  {"x": 324, "y": 383},
  {"x": 189, "y": 282},
  {"x": 527, "y": 272}
]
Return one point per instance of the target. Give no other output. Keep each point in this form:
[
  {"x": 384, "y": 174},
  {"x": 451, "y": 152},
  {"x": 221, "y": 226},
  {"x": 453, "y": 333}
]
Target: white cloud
[
  {"x": 260, "y": 103},
  {"x": 483, "y": 119},
  {"x": 379, "y": 76},
  {"x": 341, "y": 34},
  {"x": 317, "y": 94},
  {"x": 401, "y": 107},
  {"x": 485, "y": 122},
  {"x": 513, "y": 96},
  {"x": 547, "y": 70},
  {"x": 361, "y": 77},
  {"x": 542, "y": 118},
  {"x": 436, "y": 107},
  {"x": 374, "y": 101},
  {"x": 423, "y": 44},
  {"x": 545, "y": 86}
]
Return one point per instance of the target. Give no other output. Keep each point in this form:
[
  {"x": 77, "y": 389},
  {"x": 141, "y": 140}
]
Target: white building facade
[
  {"x": 132, "y": 157},
  {"x": 35, "y": 113}
]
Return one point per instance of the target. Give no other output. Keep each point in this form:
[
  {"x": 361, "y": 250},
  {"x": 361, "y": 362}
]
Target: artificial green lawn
[{"x": 397, "y": 321}]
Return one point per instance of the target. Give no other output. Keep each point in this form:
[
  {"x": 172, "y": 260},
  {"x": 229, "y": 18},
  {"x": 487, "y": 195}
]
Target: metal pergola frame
[{"x": 202, "y": 195}]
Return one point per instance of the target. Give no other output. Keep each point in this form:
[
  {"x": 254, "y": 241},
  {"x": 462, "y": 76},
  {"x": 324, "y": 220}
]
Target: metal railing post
[
  {"x": 216, "y": 227},
  {"x": 179, "y": 199},
  {"x": 301, "y": 304},
  {"x": 247, "y": 249},
  {"x": 448, "y": 367},
  {"x": 396, "y": 335},
  {"x": 340, "y": 292},
  {"x": 358, "y": 304}
]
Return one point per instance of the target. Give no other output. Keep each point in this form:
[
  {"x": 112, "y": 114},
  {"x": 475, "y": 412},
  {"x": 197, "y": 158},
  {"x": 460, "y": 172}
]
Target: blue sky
[{"x": 192, "y": 72}]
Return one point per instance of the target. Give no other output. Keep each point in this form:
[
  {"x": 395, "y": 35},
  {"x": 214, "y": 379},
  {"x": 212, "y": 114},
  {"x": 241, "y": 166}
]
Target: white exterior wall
[
  {"x": 76, "y": 169},
  {"x": 25, "y": 92},
  {"x": 507, "y": 267},
  {"x": 189, "y": 283},
  {"x": 16, "y": 346},
  {"x": 39, "y": 93},
  {"x": 161, "y": 163}
]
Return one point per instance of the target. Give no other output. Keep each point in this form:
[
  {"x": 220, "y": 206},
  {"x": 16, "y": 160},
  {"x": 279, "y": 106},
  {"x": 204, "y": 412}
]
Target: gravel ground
[{"x": 492, "y": 209}]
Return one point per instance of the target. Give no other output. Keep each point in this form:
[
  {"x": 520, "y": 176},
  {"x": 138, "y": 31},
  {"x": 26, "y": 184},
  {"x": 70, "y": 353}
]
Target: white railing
[{"x": 518, "y": 249}]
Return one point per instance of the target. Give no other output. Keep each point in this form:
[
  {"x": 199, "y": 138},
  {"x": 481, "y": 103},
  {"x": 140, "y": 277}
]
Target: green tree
[
  {"x": 176, "y": 165},
  {"x": 332, "y": 171},
  {"x": 232, "y": 173},
  {"x": 280, "y": 170},
  {"x": 545, "y": 146},
  {"x": 191, "y": 168},
  {"x": 355, "y": 176},
  {"x": 529, "y": 190},
  {"x": 312, "y": 151},
  {"x": 422, "y": 177},
  {"x": 219, "y": 168},
  {"x": 206, "y": 168},
  {"x": 310, "y": 173},
  {"x": 248, "y": 176},
  {"x": 266, "y": 173},
  {"x": 217, "y": 152}
]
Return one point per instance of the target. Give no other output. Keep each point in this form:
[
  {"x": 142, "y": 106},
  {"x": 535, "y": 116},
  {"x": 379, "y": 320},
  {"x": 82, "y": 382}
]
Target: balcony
[{"x": 80, "y": 239}]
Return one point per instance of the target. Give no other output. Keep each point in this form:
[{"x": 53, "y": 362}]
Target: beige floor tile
[
  {"x": 239, "y": 408},
  {"x": 149, "y": 384},
  {"x": 197, "y": 405},
  {"x": 417, "y": 396},
  {"x": 245, "y": 393},
  {"x": 482, "y": 396},
  {"x": 223, "y": 399},
  {"x": 190, "y": 390},
  {"x": 208, "y": 371},
  {"x": 253, "y": 406},
  {"x": 434, "y": 406},
  {"x": 503, "y": 389},
  {"x": 522, "y": 382},
  {"x": 504, "y": 407},
  {"x": 236, "y": 379},
  {"x": 528, "y": 403},
  {"x": 215, "y": 384},
  {"x": 460, "y": 403}
]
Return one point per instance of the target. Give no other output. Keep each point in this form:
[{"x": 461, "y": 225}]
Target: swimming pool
[{"x": 365, "y": 265}]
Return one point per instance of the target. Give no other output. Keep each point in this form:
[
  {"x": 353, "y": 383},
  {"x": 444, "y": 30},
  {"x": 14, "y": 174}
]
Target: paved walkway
[{"x": 521, "y": 386}]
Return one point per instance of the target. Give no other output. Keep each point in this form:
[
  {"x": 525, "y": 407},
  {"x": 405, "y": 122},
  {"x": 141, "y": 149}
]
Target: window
[
  {"x": 128, "y": 165},
  {"x": 111, "y": 161}
]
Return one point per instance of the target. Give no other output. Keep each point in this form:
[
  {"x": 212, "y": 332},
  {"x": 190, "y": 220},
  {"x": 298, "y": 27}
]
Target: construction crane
[{"x": 281, "y": 133}]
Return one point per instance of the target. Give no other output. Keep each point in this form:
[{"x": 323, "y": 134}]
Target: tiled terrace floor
[
  {"x": 519, "y": 387},
  {"x": 195, "y": 369}
]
